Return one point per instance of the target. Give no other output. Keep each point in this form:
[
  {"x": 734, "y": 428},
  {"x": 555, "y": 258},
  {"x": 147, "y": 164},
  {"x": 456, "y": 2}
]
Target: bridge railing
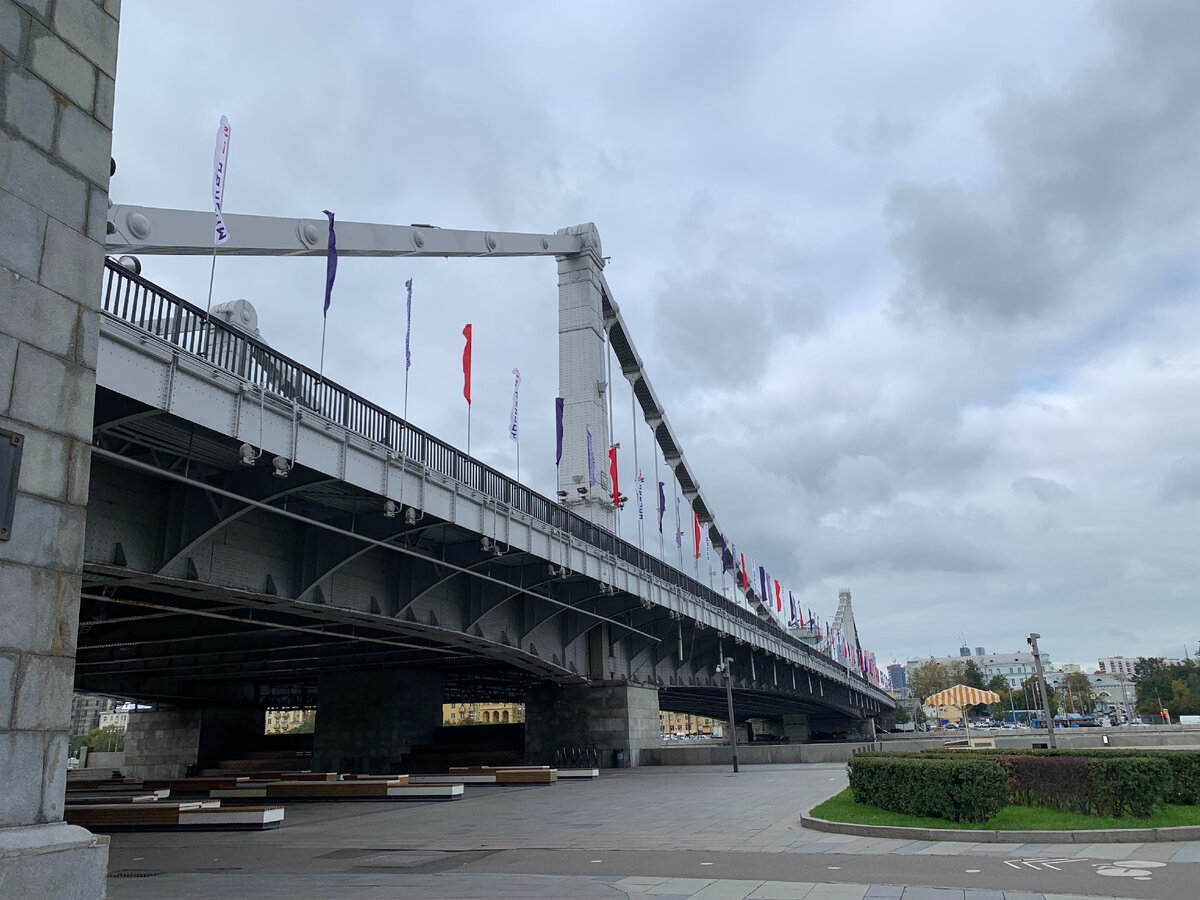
[{"x": 139, "y": 302}]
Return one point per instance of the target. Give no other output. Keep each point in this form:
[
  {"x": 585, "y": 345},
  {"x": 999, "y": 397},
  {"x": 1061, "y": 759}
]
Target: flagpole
[
  {"x": 212, "y": 274},
  {"x": 321, "y": 368},
  {"x": 612, "y": 428}
]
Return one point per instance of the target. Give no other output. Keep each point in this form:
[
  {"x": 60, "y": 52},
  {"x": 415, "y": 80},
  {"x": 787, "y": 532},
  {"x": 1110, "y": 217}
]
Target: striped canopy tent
[{"x": 962, "y": 696}]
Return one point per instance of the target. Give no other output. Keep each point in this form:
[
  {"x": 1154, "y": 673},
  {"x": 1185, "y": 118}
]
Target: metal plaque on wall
[{"x": 11, "y": 445}]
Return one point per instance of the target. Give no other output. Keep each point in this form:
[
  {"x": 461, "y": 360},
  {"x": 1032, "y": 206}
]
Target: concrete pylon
[{"x": 582, "y": 381}]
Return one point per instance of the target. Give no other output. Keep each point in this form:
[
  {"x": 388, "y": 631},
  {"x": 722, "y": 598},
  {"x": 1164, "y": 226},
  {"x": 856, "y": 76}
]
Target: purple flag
[
  {"x": 558, "y": 428},
  {"x": 330, "y": 263},
  {"x": 762, "y": 578},
  {"x": 662, "y": 505},
  {"x": 407, "y": 333}
]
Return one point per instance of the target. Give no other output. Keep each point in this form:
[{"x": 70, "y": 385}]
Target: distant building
[
  {"x": 482, "y": 713},
  {"x": 899, "y": 678},
  {"x": 684, "y": 723},
  {"x": 1117, "y": 665},
  {"x": 281, "y": 721},
  {"x": 85, "y": 712},
  {"x": 1014, "y": 668}
]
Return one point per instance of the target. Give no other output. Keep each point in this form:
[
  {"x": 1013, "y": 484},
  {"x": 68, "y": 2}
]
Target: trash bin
[{"x": 618, "y": 759}]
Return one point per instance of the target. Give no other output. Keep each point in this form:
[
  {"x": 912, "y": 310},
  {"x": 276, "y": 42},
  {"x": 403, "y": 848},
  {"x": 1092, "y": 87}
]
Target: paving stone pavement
[{"x": 638, "y": 833}]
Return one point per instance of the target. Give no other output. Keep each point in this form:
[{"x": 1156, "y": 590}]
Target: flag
[
  {"x": 220, "y": 169},
  {"x": 408, "y": 331},
  {"x": 678, "y": 526},
  {"x": 723, "y": 566},
  {"x": 762, "y": 584},
  {"x": 466, "y": 363},
  {"x": 331, "y": 270},
  {"x": 778, "y": 598},
  {"x": 662, "y": 505},
  {"x": 745, "y": 579},
  {"x": 612, "y": 471},
  {"x": 641, "y": 507},
  {"x": 559, "y": 402},
  {"x": 797, "y": 619},
  {"x": 591, "y": 458},
  {"x": 696, "y": 531},
  {"x": 708, "y": 552},
  {"x": 513, "y": 431}
]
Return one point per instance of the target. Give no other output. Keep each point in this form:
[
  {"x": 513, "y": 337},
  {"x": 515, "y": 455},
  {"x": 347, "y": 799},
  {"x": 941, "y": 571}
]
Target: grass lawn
[{"x": 842, "y": 808}]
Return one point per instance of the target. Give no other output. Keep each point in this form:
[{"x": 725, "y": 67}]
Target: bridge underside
[{"x": 212, "y": 582}]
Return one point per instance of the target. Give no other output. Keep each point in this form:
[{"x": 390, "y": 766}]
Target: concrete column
[
  {"x": 175, "y": 743},
  {"x": 161, "y": 743},
  {"x": 582, "y": 378},
  {"x": 795, "y": 728},
  {"x": 367, "y": 721},
  {"x": 57, "y": 63},
  {"x": 608, "y": 716}
]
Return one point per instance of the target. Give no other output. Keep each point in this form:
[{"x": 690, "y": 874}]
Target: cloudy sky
[{"x": 916, "y": 283}]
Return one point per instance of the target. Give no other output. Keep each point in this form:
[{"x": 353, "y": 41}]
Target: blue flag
[{"x": 330, "y": 263}]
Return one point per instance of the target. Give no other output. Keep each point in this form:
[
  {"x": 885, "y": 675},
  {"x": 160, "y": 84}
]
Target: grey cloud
[
  {"x": 1105, "y": 161},
  {"x": 1047, "y": 490},
  {"x": 1182, "y": 482},
  {"x": 877, "y": 137}
]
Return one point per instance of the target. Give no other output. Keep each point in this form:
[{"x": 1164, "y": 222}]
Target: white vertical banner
[
  {"x": 513, "y": 429},
  {"x": 220, "y": 170}
]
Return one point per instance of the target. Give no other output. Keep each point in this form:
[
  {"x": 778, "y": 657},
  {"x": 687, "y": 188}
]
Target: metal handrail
[{"x": 141, "y": 303}]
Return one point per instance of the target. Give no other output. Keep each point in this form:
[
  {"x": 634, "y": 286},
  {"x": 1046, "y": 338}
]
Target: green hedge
[
  {"x": 960, "y": 790},
  {"x": 1129, "y": 783},
  {"x": 1122, "y": 781}
]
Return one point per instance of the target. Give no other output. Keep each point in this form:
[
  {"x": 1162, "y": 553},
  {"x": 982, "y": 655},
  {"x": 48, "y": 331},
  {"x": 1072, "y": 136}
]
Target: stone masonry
[
  {"x": 57, "y": 67},
  {"x": 610, "y": 716}
]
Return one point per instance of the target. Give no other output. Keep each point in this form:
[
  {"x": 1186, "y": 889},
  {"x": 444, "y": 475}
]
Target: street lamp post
[
  {"x": 1041, "y": 675},
  {"x": 725, "y": 666}
]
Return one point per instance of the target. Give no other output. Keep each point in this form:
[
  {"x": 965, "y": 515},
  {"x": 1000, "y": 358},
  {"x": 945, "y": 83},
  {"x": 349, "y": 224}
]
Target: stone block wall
[
  {"x": 608, "y": 716},
  {"x": 161, "y": 743},
  {"x": 58, "y": 62}
]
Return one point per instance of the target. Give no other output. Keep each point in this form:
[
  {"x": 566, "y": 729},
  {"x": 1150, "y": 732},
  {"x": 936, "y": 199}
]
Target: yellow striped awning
[{"x": 962, "y": 695}]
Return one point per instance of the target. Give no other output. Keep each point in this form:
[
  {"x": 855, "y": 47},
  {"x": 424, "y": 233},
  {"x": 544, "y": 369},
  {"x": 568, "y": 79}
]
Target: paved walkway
[{"x": 694, "y": 832}]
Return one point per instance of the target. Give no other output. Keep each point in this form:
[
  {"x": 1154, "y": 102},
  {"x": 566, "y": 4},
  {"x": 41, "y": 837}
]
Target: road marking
[
  {"x": 972, "y": 871},
  {"x": 595, "y": 860},
  {"x": 1137, "y": 869},
  {"x": 1040, "y": 863}
]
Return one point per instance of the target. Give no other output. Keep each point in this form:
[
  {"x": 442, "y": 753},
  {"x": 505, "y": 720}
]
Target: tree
[
  {"x": 1077, "y": 687},
  {"x": 1032, "y": 687},
  {"x": 901, "y": 715},
  {"x": 98, "y": 740},
  {"x": 928, "y": 678},
  {"x": 972, "y": 675}
]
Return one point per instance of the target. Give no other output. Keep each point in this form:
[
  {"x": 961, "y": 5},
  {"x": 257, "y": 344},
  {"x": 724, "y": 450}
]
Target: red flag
[
  {"x": 778, "y": 599},
  {"x": 467, "y": 365},
  {"x": 696, "y": 529},
  {"x": 612, "y": 470},
  {"x": 745, "y": 580}
]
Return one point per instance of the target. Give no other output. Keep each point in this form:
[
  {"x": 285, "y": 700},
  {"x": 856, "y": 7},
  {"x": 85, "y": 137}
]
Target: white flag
[
  {"x": 220, "y": 169},
  {"x": 513, "y": 431}
]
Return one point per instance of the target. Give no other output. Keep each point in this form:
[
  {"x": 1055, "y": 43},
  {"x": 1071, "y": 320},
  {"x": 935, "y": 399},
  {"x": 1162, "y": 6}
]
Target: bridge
[{"x": 258, "y": 536}]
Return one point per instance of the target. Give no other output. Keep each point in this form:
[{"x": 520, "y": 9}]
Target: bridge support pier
[
  {"x": 609, "y": 716},
  {"x": 59, "y": 64},
  {"x": 176, "y": 742},
  {"x": 367, "y": 721}
]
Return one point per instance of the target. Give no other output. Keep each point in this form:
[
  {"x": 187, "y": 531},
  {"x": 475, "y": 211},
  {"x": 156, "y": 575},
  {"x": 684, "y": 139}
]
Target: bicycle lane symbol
[{"x": 1137, "y": 869}]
